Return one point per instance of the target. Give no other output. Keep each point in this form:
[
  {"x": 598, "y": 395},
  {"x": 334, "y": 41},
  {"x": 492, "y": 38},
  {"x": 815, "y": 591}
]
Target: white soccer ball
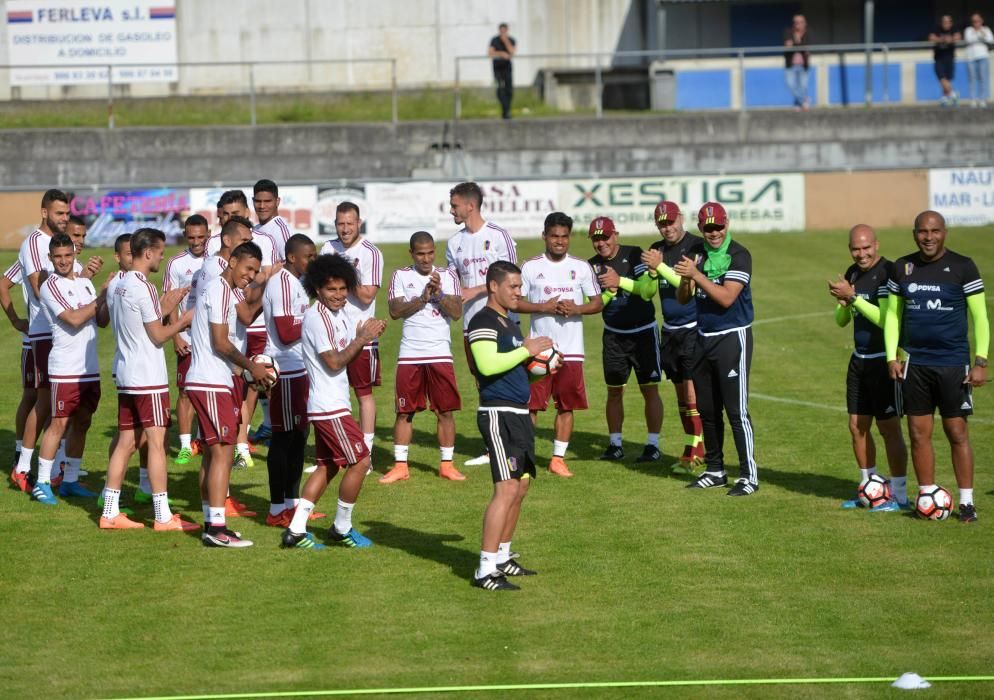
[
  {"x": 274, "y": 372},
  {"x": 545, "y": 362}
]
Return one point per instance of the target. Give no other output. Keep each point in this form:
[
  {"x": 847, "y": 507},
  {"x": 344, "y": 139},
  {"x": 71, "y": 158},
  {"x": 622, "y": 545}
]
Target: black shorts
[
  {"x": 869, "y": 389},
  {"x": 510, "y": 439},
  {"x": 945, "y": 68},
  {"x": 624, "y": 352},
  {"x": 676, "y": 353},
  {"x": 926, "y": 388}
]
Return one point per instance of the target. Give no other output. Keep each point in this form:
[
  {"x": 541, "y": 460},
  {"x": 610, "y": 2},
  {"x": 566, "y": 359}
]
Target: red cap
[
  {"x": 601, "y": 226},
  {"x": 712, "y": 213},
  {"x": 667, "y": 212}
]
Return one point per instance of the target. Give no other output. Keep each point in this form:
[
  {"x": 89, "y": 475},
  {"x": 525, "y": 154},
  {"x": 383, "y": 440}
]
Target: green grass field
[{"x": 640, "y": 579}]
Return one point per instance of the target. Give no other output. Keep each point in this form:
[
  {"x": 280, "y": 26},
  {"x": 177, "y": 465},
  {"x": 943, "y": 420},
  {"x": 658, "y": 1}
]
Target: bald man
[
  {"x": 862, "y": 297},
  {"x": 932, "y": 292}
]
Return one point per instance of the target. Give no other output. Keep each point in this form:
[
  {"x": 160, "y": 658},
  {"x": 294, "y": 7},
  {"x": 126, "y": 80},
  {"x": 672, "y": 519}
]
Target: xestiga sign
[{"x": 754, "y": 202}]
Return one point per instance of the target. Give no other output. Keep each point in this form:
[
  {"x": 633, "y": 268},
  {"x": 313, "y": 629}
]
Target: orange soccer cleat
[
  {"x": 119, "y": 522},
  {"x": 558, "y": 467},
  {"x": 235, "y": 509},
  {"x": 175, "y": 523},
  {"x": 20, "y": 480},
  {"x": 399, "y": 472},
  {"x": 281, "y": 519},
  {"x": 447, "y": 471}
]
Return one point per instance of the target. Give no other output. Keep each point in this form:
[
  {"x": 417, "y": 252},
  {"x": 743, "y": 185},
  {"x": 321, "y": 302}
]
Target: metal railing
[
  {"x": 109, "y": 74},
  {"x": 740, "y": 54}
]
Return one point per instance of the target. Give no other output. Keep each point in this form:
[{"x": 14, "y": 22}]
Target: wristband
[{"x": 980, "y": 362}]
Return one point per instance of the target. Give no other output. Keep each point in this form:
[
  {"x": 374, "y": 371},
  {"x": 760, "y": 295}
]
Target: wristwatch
[{"x": 980, "y": 362}]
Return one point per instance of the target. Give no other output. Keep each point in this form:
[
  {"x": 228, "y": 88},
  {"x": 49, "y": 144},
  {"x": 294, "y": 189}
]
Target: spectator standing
[
  {"x": 979, "y": 40},
  {"x": 944, "y": 39},
  {"x": 502, "y": 48},
  {"x": 798, "y": 62}
]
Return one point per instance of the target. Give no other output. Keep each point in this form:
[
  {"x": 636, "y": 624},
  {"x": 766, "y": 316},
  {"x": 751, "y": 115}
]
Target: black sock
[{"x": 276, "y": 461}]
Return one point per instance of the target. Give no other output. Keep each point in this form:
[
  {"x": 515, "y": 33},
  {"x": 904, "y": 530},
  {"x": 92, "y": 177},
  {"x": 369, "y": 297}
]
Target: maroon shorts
[
  {"x": 434, "y": 382},
  {"x": 69, "y": 397},
  {"x": 143, "y": 411},
  {"x": 241, "y": 387},
  {"x": 255, "y": 343},
  {"x": 183, "y": 363},
  {"x": 565, "y": 386},
  {"x": 27, "y": 367},
  {"x": 338, "y": 442},
  {"x": 364, "y": 371},
  {"x": 218, "y": 415},
  {"x": 41, "y": 349},
  {"x": 288, "y": 404}
]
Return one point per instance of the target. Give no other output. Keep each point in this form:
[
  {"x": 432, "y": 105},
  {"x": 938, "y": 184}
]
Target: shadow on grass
[
  {"x": 431, "y": 546},
  {"x": 809, "y": 484}
]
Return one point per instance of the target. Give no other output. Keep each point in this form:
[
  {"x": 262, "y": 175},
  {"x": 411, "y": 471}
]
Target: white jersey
[
  {"x": 14, "y": 276},
  {"x": 74, "y": 350},
  {"x": 209, "y": 371},
  {"x": 326, "y": 330},
  {"x": 569, "y": 279},
  {"x": 141, "y": 368},
  {"x": 471, "y": 254},
  {"x": 425, "y": 336},
  {"x": 271, "y": 252},
  {"x": 180, "y": 270},
  {"x": 368, "y": 262},
  {"x": 284, "y": 297},
  {"x": 33, "y": 258},
  {"x": 279, "y": 230},
  {"x": 210, "y": 268},
  {"x": 111, "y": 291}
]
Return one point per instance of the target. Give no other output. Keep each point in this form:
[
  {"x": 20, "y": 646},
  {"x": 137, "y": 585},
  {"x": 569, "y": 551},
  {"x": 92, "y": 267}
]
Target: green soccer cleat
[
  {"x": 142, "y": 497},
  {"x": 184, "y": 456}
]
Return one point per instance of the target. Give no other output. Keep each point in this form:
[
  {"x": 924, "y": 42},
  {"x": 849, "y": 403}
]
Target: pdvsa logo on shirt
[{"x": 915, "y": 287}]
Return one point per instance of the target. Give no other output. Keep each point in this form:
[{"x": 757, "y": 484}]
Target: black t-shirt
[
  {"x": 712, "y": 317},
  {"x": 934, "y": 324},
  {"x": 626, "y": 313},
  {"x": 947, "y": 50},
  {"x": 872, "y": 286},
  {"x": 675, "y": 314},
  {"x": 501, "y": 64},
  {"x": 508, "y": 388}
]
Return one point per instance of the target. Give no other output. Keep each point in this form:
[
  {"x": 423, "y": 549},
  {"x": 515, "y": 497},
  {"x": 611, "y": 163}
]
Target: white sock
[
  {"x": 18, "y": 444},
  {"x": 217, "y": 516},
  {"x": 864, "y": 474},
  {"x": 276, "y": 508},
  {"x": 24, "y": 463},
  {"x": 447, "y": 453},
  {"x": 899, "y": 488},
  {"x": 242, "y": 448},
  {"x": 488, "y": 564},
  {"x": 206, "y": 508},
  {"x": 290, "y": 503},
  {"x": 966, "y": 497},
  {"x": 368, "y": 439},
  {"x": 160, "y": 505},
  {"x": 143, "y": 483},
  {"x": 111, "y": 500},
  {"x": 400, "y": 452},
  {"x": 343, "y": 517},
  {"x": 298, "y": 525},
  {"x": 615, "y": 439},
  {"x": 45, "y": 471},
  {"x": 503, "y": 552},
  {"x": 72, "y": 470},
  {"x": 559, "y": 448},
  {"x": 652, "y": 439},
  {"x": 925, "y": 487},
  {"x": 184, "y": 441},
  {"x": 264, "y": 405}
]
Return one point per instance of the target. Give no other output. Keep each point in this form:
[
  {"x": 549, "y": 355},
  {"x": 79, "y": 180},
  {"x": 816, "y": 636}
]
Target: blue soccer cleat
[
  {"x": 291, "y": 540},
  {"x": 852, "y": 504},
  {"x": 43, "y": 494},
  {"x": 75, "y": 489},
  {"x": 891, "y": 506},
  {"x": 352, "y": 538}
]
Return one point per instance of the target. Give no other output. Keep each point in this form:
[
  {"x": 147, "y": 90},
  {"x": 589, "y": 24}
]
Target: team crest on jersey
[
  {"x": 909, "y": 268},
  {"x": 572, "y": 274},
  {"x": 465, "y": 262},
  {"x": 486, "y": 244}
]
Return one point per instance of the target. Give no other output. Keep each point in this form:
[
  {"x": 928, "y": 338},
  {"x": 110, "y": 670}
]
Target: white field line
[{"x": 837, "y": 409}]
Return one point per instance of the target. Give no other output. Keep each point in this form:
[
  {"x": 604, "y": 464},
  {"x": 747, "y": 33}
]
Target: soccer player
[
  {"x": 631, "y": 339},
  {"x": 330, "y": 343},
  {"x": 266, "y": 202},
  {"x": 499, "y": 353},
  {"x": 212, "y": 390},
  {"x": 428, "y": 298},
  {"x": 180, "y": 270},
  {"x": 870, "y": 392},
  {"x": 364, "y": 372},
  {"x": 477, "y": 245},
  {"x": 283, "y": 304},
  {"x": 35, "y": 268},
  {"x": 142, "y": 381},
  {"x": 716, "y": 274},
  {"x": 558, "y": 289},
  {"x": 76, "y": 230},
  {"x": 12, "y": 276},
  {"x": 679, "y": 332},
  {"x": 932, "y": 293},
  {"x": 74, "y": 372}
]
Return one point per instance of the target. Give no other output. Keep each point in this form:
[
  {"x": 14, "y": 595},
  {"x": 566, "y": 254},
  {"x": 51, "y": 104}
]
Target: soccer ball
[
  {"x": 934, "y": 504},
  {"x": 274, "y": 372},
  {"x": 546, "y": 362},
  {"x": 875, "y": 491}
]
